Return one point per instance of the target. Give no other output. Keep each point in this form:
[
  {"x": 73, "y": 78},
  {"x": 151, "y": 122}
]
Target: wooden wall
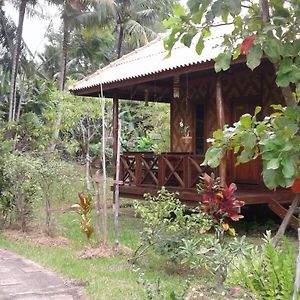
[{"x": 242, "y": 90}]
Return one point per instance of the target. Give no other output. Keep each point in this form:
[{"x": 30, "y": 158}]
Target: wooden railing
[{"x": 181, "y": 170}]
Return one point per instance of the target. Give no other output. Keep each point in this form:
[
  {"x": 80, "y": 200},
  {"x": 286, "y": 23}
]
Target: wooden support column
[
  {"x": 115, "y": 135},
  {"x": 221, "y": 123}
]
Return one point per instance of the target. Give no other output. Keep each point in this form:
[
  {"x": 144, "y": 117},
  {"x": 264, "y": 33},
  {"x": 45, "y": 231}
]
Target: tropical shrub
[
  {"x": 52, "y": 175},
  {"x": 166, "y": 223},
  {"x": 155, "y": 291},
  {"x": 23, "y": 189},
  {"x": 215, "y": 254},
  {"x": 6, "y": 203},
  {"x": 219, "y": 202},
  {"x": 269, "y": 271},
  {"x": 185, "y": 237}
]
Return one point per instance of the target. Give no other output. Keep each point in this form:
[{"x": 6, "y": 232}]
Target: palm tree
[
  {"x": 133, "y": 19},
  {"x": 15, "y": 62},
  {"x": 71, "y": 9},
  {"x": 22, "y": 6}
]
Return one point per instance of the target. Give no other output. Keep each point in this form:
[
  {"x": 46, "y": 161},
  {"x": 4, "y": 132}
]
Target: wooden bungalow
[{"x": 202, "y": 100}]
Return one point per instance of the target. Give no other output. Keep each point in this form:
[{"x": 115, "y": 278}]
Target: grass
[{"x": 107, "y": 277}]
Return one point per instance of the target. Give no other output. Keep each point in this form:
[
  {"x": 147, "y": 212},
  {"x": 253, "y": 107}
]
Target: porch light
[{"x": 176, "y": 87}]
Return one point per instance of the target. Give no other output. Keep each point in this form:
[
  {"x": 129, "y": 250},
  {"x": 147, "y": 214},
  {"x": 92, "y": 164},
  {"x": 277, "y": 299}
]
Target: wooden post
[
  {"x": 115, "y": 135},
  {"x": 117, "y": 191},
  {"x": 97, "y": 207},
  {"x": 104, "y": 179},
  {"x": 221, "y": 123}
]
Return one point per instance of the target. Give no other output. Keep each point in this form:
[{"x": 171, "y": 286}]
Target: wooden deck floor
[
  {"x": 250, "y": 195},
  {"x": 277, "y": 200}
]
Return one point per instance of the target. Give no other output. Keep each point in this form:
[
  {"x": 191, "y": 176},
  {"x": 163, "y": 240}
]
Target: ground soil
[{"x": 36, "y": 238}]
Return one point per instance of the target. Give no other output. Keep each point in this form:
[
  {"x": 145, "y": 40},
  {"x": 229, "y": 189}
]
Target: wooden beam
[
  {"x": 221, "y": 123},
  {"x": 115, "y": 134}
]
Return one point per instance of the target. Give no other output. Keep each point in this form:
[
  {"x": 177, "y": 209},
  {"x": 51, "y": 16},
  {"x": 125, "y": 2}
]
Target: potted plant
[{"x": 185, "y": 131}]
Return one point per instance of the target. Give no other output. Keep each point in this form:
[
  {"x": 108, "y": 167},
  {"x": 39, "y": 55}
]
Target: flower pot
[{"x": 186, "y": 140}]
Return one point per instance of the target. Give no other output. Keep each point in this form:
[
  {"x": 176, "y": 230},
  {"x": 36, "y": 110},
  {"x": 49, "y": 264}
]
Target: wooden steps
[{"x": 281, "y": 211}]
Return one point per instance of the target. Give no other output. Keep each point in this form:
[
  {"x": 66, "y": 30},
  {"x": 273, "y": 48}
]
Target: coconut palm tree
[
  {"x": 71, "y": 9},
  {"x": 133, "y": 19},
  {"x": 22, "y": 6}
]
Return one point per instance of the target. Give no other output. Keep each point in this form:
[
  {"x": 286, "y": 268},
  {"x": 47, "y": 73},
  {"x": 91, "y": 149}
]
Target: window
[{"x": 200, "y": 129}]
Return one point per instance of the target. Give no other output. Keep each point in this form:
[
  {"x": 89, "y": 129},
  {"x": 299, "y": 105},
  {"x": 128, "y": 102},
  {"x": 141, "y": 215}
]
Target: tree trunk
[
  {"x": 62, "y": 77},
  {"x": 88, "y": 161},
  {"x": 48, "y": 215},
  {"x": 86, "y": 140},
  {"x": 264, "y": 9},
  {"x": 16, "y": 62},
  {"x": 120, "y": 41},
  {"x": 286, "y": 220}
]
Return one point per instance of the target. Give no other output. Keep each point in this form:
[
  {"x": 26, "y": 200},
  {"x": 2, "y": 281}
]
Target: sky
[{"x": 34, "y": 29}]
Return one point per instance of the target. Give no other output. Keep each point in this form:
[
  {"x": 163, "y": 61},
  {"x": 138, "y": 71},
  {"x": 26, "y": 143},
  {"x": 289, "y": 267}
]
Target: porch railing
[{"x": 181, "y": 170}]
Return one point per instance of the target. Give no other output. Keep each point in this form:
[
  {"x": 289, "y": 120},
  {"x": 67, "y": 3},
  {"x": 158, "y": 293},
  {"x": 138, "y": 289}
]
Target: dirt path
[{"x": 23, "y": 279}]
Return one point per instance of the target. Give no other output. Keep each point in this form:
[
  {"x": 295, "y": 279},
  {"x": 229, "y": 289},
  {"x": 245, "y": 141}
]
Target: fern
[{"x": 269, "y": 272}]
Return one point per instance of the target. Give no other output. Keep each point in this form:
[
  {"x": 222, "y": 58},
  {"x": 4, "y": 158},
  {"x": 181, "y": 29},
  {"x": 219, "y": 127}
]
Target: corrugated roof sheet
[{"x": 151, "y": 59}]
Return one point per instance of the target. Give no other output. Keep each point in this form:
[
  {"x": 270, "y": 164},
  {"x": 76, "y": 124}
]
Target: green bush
[
  {"x": 23, "y": 189},
  {"x": 269, "y": 272},
  {"x": 166, "y": 223}
]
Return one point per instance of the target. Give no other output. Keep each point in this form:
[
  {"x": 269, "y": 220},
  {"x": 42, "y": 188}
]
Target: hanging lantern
[{"x": 176, "y": 87}]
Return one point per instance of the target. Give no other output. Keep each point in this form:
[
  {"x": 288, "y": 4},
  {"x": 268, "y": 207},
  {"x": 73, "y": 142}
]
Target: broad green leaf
[
  {"x": 249, "y": 140},
  {"x": 222, "y": 61},
  {"x": 283, "y": 80},
  {"x": 238, "y": 21},
  {"x": 187, "y": 39},
  {"x": 218, "y": 134},
  {"x": 246, "y": 121},
  {"x": 277, "y": 107},
  {"x": 245, "y": 156},
  {"x": 178, "y": 10},
  {"x": 285, "y": 65},
  {"x": 213, "y": 157},
  {"x": 273, "y": 49},
  {"x": 217, "y": 8},
  {"x": 257, "y": 110},
  {"x": 234, "y": 7},
  {"x": 254, "y": 57},
  {"x": 193, "y": 5},
  {"x": 297, "y": 45},
  {"x": 288, "y": 167},
  {"x": 273, "y": 164},
  {"x": 200, "y": 46},
  {"x": 236, "y": 52}
]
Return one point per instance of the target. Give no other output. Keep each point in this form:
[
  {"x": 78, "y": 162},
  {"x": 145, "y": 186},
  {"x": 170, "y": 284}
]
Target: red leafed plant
[
  {"x": 217, "y": 201},
  {"x": 247, "y": 44},
  {"x": 84, "y": 208},
  {"x": 296, "y": 185}
]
